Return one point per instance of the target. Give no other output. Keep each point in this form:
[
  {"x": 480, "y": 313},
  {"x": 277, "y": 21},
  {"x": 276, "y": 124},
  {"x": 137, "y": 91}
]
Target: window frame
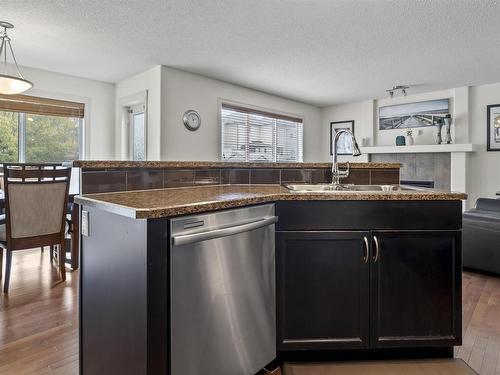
[
  {"x": 21, "y": 136},
  {"x": 85, "y": 124},
  {"x": 135, "y": 110},
  {"x": 125, "y": 140},
  {"x": 222, "y": 101}
]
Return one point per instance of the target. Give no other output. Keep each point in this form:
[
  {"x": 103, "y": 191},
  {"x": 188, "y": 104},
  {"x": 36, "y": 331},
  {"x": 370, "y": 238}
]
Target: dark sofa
[{"x": 481, "y": 236}]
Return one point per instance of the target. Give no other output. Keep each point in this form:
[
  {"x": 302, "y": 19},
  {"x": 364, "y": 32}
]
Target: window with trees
[{"x": 39, "y": 130}]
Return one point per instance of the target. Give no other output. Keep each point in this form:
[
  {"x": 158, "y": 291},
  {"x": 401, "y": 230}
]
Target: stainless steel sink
[{"x": 329, "y": 188}]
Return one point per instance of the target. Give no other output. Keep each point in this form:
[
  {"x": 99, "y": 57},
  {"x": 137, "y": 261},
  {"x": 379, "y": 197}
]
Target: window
[
  {"x": 133, "y": 112},
  {"x": 137, "y": 131},
  {"x": 257, "y": 136},
  {"x": 39, "y": 130},
  {"x": 9, "y": 151}
]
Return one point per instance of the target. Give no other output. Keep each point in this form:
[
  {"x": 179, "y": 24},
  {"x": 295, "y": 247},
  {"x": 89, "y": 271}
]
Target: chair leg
[
  {"x": 62, "y": 263},
  {"x": 8, "y": 264},
  {"x": 1, "y": 262},
  {"x": 41, "y": 249}
]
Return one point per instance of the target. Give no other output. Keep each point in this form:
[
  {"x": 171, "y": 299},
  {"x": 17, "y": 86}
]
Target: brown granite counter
[
  {"x": 150, "y": 204},
  {"x": 109, "y": 164}
]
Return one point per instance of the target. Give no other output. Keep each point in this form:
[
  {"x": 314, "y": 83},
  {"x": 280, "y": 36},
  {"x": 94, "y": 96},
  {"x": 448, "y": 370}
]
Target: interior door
[
  {"x": 323, "y": 290},
  {"x": 416, "y": 298}
]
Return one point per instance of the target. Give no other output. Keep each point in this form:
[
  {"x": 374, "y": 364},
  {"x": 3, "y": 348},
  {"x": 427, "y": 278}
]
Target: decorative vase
[
  {"x": 409, "y": 140},
  {"x": 400, "y": 140},
  {"x": 439, "y": 125},
  {"x": 447, "y": 124}
]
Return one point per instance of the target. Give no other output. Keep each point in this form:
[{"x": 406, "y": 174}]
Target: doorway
[
  {"x": 134, "y": 126},
  {"x": 137, "y": 131}
]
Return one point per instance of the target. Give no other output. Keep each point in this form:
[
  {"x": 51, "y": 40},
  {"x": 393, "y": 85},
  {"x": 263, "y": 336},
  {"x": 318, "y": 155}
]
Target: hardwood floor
[
  {"x": 408, "y": 367},
  {"x": 38, "y": 319},
  {"x": 39, "y": 330},
  {"x": 481, "y": 323}
]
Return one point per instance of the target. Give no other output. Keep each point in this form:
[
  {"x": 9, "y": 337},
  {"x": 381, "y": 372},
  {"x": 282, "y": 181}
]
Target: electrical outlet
[{"x": 85, "y": 223}]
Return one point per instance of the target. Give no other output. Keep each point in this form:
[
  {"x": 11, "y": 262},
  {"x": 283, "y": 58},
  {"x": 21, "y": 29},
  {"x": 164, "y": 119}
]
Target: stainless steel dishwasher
[{"x": 223, "y": 314}]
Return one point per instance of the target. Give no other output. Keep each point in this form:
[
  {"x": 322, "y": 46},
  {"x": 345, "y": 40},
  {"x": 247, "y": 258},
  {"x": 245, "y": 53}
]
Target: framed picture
[
  {"x": 493, "y": 123},
  {"x": 412, "y": 115},
  {"x": 344, "y": 145}
]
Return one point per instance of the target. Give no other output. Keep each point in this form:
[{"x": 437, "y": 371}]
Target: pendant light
[{"x": 10, "y": 84}]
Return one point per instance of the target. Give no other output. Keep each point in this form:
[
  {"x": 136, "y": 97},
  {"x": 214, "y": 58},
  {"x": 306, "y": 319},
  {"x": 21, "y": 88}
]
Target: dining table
[{"x": 75, "y": 230}]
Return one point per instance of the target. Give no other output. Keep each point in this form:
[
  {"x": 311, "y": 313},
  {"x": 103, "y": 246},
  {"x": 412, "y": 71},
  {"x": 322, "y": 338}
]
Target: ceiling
[{"x": 316, "y": 51}]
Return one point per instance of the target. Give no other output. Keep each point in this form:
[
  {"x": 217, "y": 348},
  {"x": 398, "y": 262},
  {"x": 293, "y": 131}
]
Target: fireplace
[
  {"x": 421, "y": 169},
  {"x": 419, "y": 183}
]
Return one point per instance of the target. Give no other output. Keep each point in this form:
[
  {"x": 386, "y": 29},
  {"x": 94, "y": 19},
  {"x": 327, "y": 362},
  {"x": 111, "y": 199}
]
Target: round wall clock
[{"x": 191, "y": 120}]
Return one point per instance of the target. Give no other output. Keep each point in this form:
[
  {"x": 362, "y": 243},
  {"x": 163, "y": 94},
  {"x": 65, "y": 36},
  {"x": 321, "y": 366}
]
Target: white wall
[
  {"x": 422, "y": 135},
  {"x": 183, "y": 91},
  {"x": 360, "y": 112},
  {"x": 367, "y": 115},
  {"x": 99, "y": 106},
  {"x": 468, "y": 108},
  {"x": 150, "y": 81},
  {"x": 484, "y": 166}
]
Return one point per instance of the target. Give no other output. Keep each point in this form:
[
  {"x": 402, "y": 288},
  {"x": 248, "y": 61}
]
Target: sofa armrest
[{"x": 488, "y": 204}]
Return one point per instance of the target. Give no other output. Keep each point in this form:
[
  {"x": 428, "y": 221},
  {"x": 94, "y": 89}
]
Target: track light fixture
[{"x": 397, "y": 88}]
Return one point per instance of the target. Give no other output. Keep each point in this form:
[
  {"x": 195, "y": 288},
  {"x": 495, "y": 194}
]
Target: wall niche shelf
[{"x": 464, "y": 147}]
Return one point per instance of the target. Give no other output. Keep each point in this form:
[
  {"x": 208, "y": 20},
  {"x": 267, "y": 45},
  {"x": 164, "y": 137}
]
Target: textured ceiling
[{"x": 320, "y": 52}]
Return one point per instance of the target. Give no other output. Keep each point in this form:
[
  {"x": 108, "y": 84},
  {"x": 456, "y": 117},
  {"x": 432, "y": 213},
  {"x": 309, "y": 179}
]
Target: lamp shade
[{"x": 13, "y": 85}]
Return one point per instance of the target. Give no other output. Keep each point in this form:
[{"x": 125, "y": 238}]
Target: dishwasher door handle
[{"x": 185, "y": 239}]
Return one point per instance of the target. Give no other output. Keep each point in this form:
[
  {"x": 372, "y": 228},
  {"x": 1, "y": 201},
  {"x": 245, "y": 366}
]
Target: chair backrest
[{"x": 36, "y": 197}]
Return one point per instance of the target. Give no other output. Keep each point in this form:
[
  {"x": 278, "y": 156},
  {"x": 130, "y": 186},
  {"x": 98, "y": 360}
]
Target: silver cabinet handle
[
  {"x": 222, "y": 232},
  {"x": 366, "y": 255},
  {"x": 377, "y": 249}
]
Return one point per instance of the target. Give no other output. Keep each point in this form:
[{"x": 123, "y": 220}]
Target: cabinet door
[
  {"x": 323, "y": 290},
  {"x": 416, "y": 288}
]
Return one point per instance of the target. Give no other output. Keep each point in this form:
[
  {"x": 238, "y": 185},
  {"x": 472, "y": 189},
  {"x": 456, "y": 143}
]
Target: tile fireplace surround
[
  {"x": 110, "y": 176},
  {"x": 434, "y": 167}
]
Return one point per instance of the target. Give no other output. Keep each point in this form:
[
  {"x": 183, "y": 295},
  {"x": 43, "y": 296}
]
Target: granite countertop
[
  {"x": 151, "y": 204},
  {"x": 101, "y": 164}
]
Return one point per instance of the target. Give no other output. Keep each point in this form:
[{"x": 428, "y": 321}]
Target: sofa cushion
[{"x": 480, "y": 215}]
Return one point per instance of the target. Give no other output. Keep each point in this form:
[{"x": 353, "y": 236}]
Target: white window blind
[{"x": 256, "y": 136}]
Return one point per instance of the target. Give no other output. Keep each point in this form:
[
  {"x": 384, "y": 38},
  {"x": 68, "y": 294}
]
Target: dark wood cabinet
[
  {"x": 372, "y": 276},
  {"x": 416, "y": 288},
  {"x": 406, "y": 295},
  {"x": 323, "y": 289}
]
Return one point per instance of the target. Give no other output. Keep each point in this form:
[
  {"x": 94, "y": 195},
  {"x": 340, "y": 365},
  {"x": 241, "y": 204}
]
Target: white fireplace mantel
[
  {"x": 458, "y": 153},
  {"x": 465, "y": 147}
]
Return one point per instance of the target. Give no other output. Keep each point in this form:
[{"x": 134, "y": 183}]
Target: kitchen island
[{"x": 355, "y": 271}]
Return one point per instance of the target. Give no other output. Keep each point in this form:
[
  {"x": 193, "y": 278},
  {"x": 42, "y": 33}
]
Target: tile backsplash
[{"x": 113, "y": 179}]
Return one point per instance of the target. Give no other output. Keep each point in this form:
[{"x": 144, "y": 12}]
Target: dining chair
[{"x": 36, "y": 199}]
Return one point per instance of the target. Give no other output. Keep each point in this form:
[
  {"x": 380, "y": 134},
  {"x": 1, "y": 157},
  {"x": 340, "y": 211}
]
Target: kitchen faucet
[{"x": 338, "y": 173}]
